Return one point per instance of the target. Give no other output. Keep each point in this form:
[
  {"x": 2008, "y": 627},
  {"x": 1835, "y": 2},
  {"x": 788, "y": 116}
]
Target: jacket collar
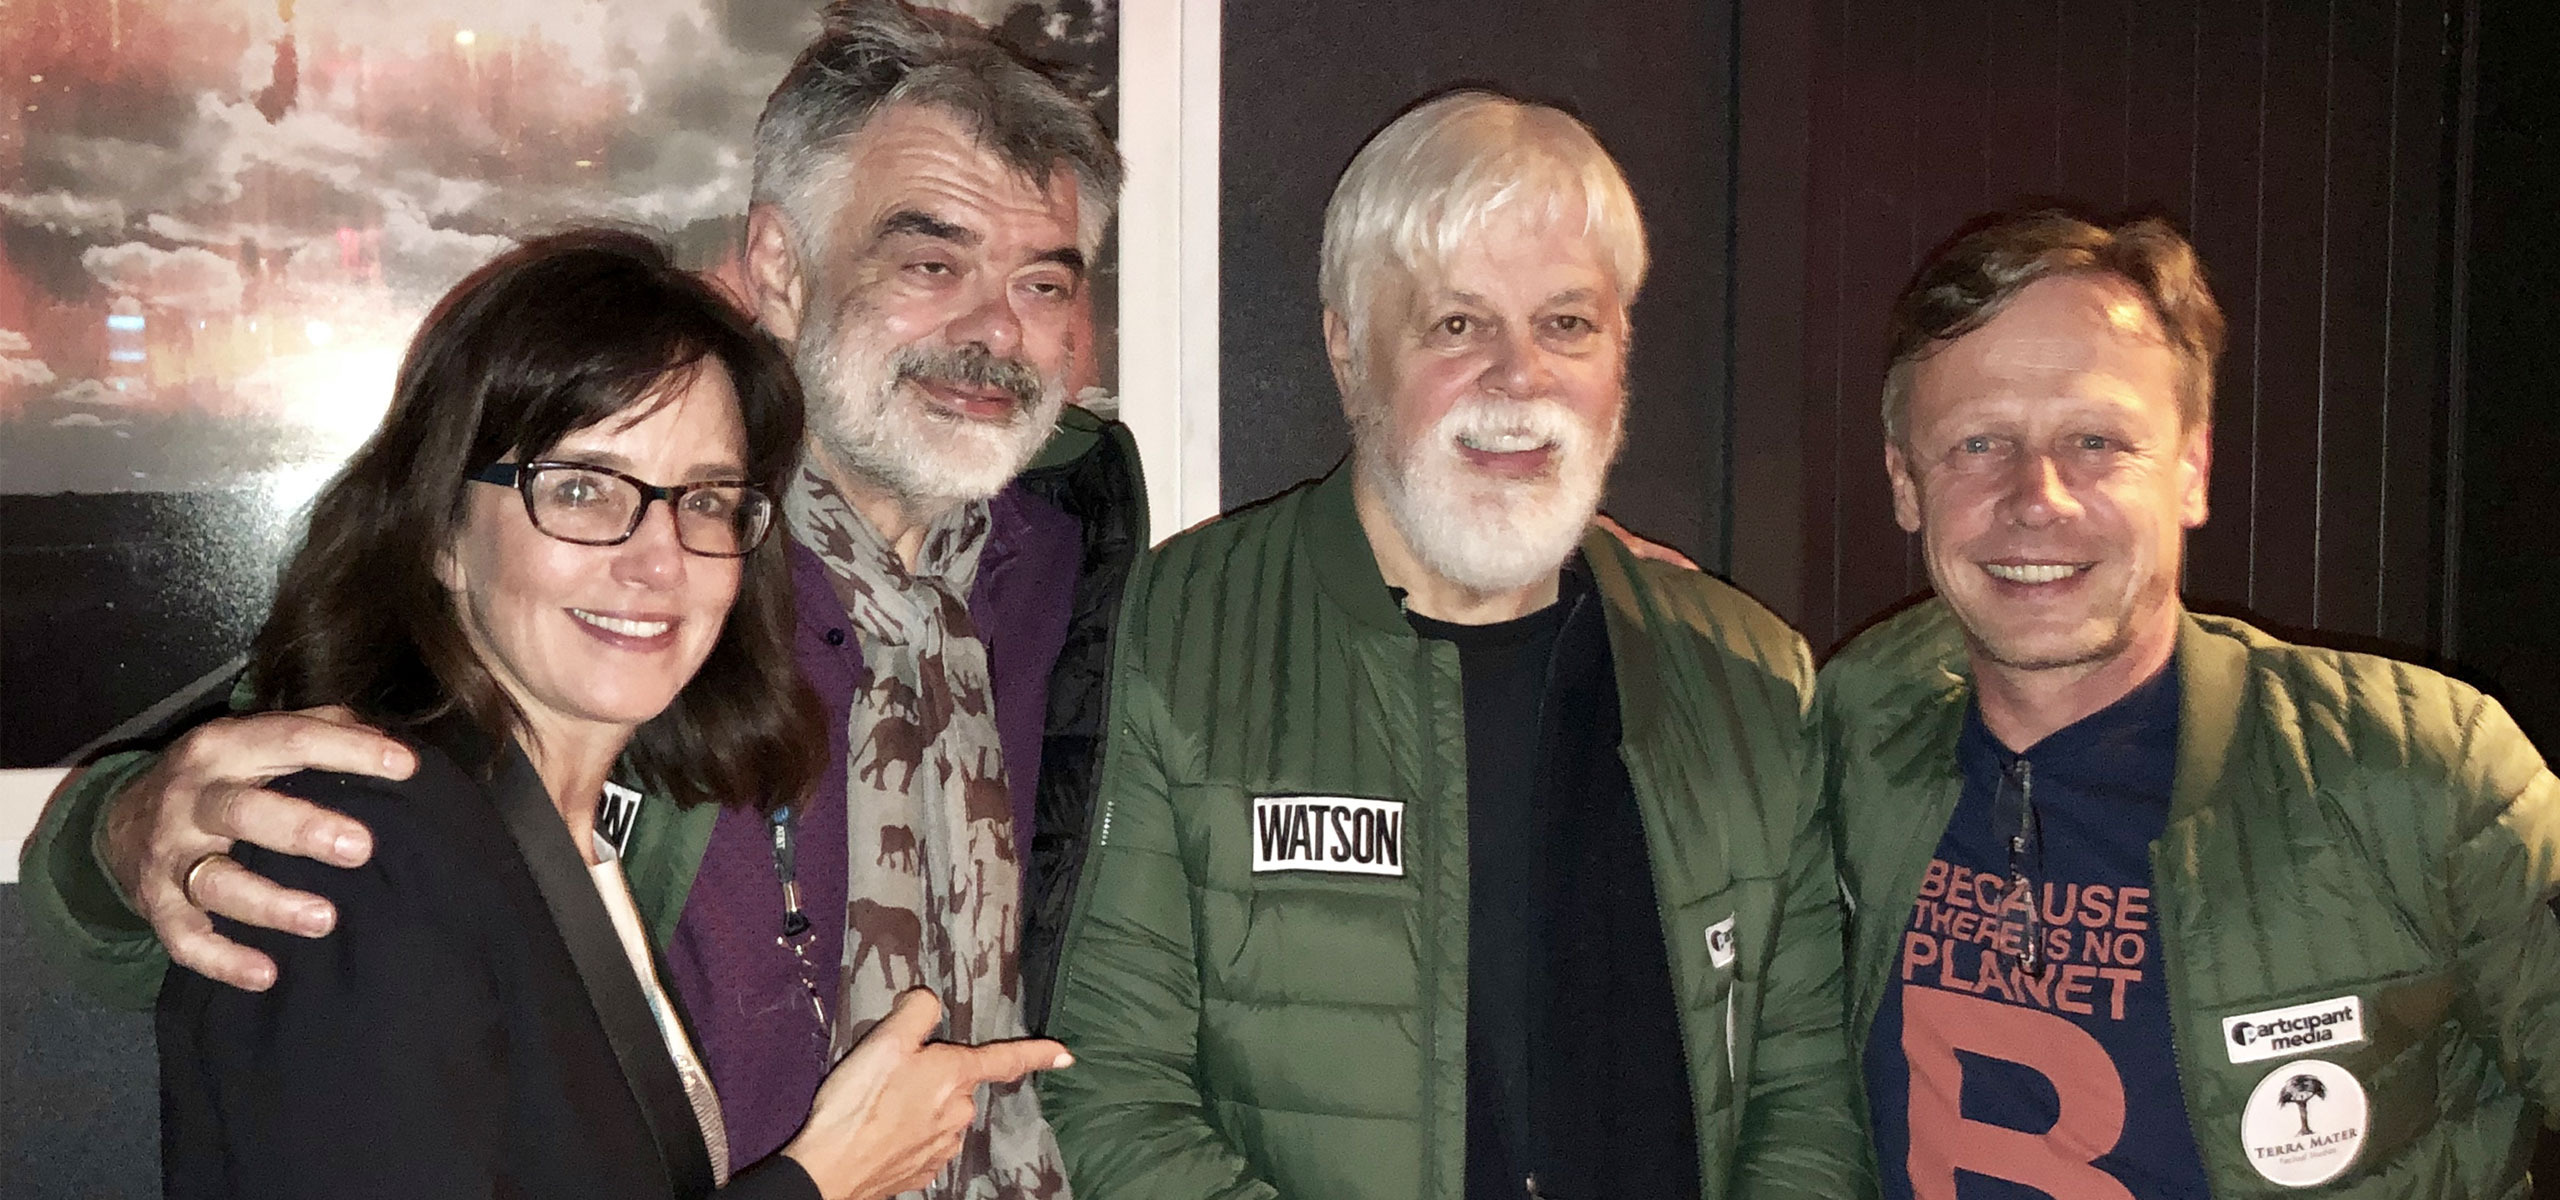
[
  {"x": 1910, "y": 675},
  {"x": 2213, "y": 678},
  {"x": 2212, "y": 681},
  {"x": 1342, "y": 559},
  {"x": 1641, "y": 690},
  {"x": 1337, "y": 550}
]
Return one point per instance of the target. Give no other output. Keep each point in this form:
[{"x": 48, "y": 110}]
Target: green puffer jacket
[
  {"x": 1303, "y": 1033},
  {"x": 2342, "y": 826}
]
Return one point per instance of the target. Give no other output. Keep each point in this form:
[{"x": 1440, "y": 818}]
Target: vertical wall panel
[
  {"x": 1943, "y": 166},
  {"x": 2159, "y": 116},
  {"x": 2284, "y": 511},
  {"x": 2415, "y": 400},
  {"x": 2506, "y": 612},
  {"x": 1875, "y": 560},
  {"x": 1826, "y": 263},
  {"x": 2354, "y": 366},
  {"x": 2091, "y": 42},
  {"x": 2222, "y": 217},
  {"x": 1664, "y": 115},
  {"x": 2020, "y": 125},
  {"x": 1769, "y": 548}
]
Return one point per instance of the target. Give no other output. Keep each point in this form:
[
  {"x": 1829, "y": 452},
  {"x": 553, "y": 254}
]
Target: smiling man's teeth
[
  {"x": 2031, "y": 572},
  {"x": 1505, "y": 442},
  {"x": 638, "y": 629}
]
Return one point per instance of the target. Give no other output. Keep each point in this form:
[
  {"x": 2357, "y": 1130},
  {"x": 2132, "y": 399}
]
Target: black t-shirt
[{"x": 1575, "y": 1069}]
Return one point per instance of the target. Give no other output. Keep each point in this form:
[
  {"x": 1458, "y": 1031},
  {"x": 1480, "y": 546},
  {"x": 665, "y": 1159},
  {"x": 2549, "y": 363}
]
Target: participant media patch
[
  {"x": 1343, "y": 834},
  {"x": 2305, "y": 1123},
  {"x": 2301, "y": 1029}
]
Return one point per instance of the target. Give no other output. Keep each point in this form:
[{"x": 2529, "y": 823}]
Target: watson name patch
[{"x": 1328, "y": 833}]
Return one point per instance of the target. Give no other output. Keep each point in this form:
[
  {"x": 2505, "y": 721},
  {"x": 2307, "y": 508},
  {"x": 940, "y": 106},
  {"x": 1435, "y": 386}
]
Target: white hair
[{"x": 1445, "y": 169}]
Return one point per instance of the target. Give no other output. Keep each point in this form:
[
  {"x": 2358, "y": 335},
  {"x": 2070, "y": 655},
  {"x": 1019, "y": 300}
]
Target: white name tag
[
  {"x": 1720, "y": 948},
  {"x": 1328, "y": 833},
  {"x": 2302, "y": 1029},
  {"x": 615, "y": 817}
]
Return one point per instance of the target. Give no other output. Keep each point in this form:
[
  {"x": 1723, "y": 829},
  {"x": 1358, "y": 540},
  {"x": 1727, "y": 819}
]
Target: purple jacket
[{"x": 760, "y": 1039}]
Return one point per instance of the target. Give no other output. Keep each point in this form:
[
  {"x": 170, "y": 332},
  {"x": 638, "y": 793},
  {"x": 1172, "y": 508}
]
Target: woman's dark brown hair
[{"x": 557, "y": 335}]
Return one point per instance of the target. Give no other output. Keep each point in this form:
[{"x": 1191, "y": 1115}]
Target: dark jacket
[
  {"x": 2341, "y": 826},
  {"x": 472, "y": 1027},
  {"x": 1245, "y": 1034}
]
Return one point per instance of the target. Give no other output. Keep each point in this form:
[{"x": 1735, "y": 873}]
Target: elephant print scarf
[{"x": 936, "y": 890}]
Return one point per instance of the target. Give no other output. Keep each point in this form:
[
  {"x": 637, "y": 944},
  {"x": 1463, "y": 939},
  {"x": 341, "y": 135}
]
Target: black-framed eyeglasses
[
  {"x": 598, "y": 506},
  {"x": 2013, "y": 820}
]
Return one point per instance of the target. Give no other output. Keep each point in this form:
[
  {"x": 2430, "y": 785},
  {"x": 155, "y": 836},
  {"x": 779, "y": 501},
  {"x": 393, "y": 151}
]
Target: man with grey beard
[
  {"x": 1446, "y": 847},
  {"x": 927, "y": 206}
]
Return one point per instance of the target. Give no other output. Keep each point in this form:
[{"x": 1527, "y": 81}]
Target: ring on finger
[{"x": 187, "y": 882}]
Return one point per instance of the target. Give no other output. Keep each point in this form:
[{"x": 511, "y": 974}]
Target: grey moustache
[{"x": 972, "y": 366}]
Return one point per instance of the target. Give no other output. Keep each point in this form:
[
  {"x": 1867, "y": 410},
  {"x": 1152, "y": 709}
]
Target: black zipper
[{"x": 1427, "y": 714}]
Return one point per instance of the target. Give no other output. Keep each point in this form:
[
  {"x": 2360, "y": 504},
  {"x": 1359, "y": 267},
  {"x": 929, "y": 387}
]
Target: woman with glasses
[{"x": 549, "y": 571}]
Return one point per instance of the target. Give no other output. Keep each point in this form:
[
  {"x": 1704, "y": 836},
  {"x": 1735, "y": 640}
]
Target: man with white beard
[
  {"x": 926, "y": 205},
  {"x": 1446, "y": 848}
]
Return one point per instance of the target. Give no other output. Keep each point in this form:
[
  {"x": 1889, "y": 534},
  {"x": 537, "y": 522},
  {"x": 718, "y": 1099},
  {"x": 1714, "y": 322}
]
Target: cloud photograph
[{"x": 221, "y": 220}]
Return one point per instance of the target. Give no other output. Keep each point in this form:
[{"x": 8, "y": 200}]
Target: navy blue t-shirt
[{"x": 1988, "y": 1080}]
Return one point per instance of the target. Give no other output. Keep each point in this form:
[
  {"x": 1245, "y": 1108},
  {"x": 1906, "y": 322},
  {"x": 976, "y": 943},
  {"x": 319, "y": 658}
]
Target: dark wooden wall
[
  {"x": 2506, "y": 590},
  {"x": 2304, "y": 145},
  {"x": 2504, "y": 586}
]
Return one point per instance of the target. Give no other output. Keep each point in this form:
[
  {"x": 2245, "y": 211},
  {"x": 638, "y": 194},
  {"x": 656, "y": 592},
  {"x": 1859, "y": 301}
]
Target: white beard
[
  {"x": 1486, "y": 533},
  {"x": 864, "y": 411}
]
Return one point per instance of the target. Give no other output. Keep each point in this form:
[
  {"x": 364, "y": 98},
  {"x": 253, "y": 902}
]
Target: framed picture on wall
[{"x": 220, "y": 221}]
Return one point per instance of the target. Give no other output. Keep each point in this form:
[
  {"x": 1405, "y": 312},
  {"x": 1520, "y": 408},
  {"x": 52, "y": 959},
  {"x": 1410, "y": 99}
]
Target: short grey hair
[
  {"x": 1972, "y": 278},
  {"x": 1443, "y": 170},
  {"x": 873, "y": 54}
]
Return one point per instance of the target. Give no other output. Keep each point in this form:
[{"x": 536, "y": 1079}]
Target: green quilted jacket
[
  {"x": 1302, "y": 1033},
  {"x": 2343, "y": 826}
]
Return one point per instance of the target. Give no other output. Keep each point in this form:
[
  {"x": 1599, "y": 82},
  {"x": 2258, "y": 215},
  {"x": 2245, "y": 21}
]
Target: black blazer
[{"x": 472, "y": 1027}]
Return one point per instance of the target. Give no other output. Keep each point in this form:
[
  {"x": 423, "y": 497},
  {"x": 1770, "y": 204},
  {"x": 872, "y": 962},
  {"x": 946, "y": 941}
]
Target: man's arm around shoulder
[
  {"x": 81, "y": 920},
  {"x": 129, "y": 862}
]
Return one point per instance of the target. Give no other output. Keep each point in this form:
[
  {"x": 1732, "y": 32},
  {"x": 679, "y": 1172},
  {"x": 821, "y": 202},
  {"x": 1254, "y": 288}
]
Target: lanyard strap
[
  {"x": 795, "y": 920},
  {"x": 786, "y": 867}
]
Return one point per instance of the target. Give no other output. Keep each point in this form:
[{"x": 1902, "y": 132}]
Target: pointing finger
[{"x": 1004, "y": 1062}]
